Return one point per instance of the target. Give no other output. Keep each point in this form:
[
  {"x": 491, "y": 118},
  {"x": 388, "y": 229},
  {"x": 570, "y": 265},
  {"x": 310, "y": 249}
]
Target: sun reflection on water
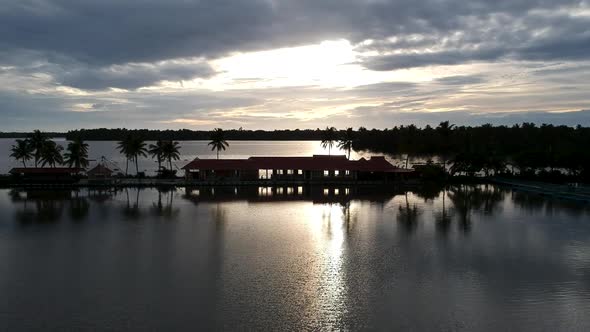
[{"x": 328, "y": 227}]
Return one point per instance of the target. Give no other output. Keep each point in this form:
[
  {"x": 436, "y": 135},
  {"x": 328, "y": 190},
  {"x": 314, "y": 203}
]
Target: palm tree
[
  {"x": 132, "y": 147},
  {"x": 37, "y": 141},
  {"x": 138, "y": 149},
  {"x": 329, "y": 136},
  {"x": 218, "y": 141},
  {"x": 51, "y": 154},
  {"x": 22, "y": 151},
  {"x": 445, "y": 130},
  {"x": 156, "y": 151},
  {"x": 346, "y": 141},
  {"x": 77, "y": 153},
  {"x": 125, "y": 147},
  {"x": 170, "y": 152}
]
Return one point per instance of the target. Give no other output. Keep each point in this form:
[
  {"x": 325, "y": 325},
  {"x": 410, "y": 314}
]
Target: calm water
[
  {"x": 191, "y": 149},
  {"x": 465, "y": 258}
]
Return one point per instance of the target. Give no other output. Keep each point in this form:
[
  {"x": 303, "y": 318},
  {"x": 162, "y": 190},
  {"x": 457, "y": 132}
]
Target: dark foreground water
[{"x": 468, "y": 258}]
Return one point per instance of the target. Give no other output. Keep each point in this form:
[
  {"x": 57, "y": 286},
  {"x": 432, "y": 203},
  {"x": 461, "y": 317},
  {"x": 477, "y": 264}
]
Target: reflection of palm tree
[
  {"x": 132, "y": 212},
  {"x": 443, "y": 218},
  {"x": 408, "y": 215},
  {"x": 167, "y": 211},
  {"x": 346, "y": 141},
  {"x": 218, "y": 141},
  {"x": 329, "y": 136},
  {"x": 23, "y": 151},
  {"x": 79, "y": 208}
]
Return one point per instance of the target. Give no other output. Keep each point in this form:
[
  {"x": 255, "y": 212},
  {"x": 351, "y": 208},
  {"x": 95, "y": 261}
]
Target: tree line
[{"x": 44, "y": 152}]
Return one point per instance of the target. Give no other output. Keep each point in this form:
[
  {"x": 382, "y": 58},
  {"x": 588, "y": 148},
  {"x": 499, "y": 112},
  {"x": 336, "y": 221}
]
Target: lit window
[
  {"x": 347, "y": 191},
  {"x": 299, "y": 190},
  {"x": 326, "y": 191},
  {"x": 290, "y": 171},
  {"x": 280, "y": 190},
  {"x": 300, "y": 171},
  {"x": 326, "y": 172},
  {"x": 280, "y": 171},
  {"x": 336, "y": 172},
  {"x": 289, "y": 190},
  {"x": 347, "y": 172},
  {"x": 336, "y": 191}
]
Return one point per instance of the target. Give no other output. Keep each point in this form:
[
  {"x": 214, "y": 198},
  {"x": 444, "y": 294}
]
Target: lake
[
  {"x": 466, "y": 257},
  {"x": 191, "y": 149}
]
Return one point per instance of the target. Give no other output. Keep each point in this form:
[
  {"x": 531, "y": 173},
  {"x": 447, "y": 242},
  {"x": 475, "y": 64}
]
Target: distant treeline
[
  {"x": 193, "y": 135},
  {"x": 25, "y": 135}
]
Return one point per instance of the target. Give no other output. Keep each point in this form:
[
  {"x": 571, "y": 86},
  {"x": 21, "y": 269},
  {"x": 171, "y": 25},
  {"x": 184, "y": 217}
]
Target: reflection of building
[
  {"x": 41, "y": 175},
  {"x": 318, "y": 168},
  {"x": 276, "y": 193}
]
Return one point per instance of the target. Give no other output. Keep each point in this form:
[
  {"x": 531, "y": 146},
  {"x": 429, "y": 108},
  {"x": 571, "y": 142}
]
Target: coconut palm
[
  {"x": 329, "y": 137},
  {"x": 218, "y": 140},
  {"x": 156, "y": 151},
  {"x": 125, "y": 147},
  {"x": 132, "y": 148},
  {"x": 138, "y": 149},
  {"x": 170, "y": 152},
  {"x": 37, "y": 141},
  {"x": 77, "y": 154},
  {"x": 51, "y": 154},
  {"x": 346, "y": 141},
  {"x": 22, "y": 151},
  {"x": 445, "y": 129}
]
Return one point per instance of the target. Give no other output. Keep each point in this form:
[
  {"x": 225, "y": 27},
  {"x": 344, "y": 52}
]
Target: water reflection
[
  {"x": 408, "y": 215},
  {"x": 165, "y": 208},
  {"x": 320, "y": 258}
]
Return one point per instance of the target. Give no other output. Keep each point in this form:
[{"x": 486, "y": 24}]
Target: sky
[{"x": 286, "y": 64}]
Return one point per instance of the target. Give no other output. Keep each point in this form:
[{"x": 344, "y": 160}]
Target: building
[
  {"x": 318, "y": 168},
  {"x": 100, "y": 174},
  {"x": 47, "y": 175}
]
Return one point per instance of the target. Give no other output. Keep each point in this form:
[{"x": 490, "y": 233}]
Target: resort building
[
  {"x": 100, "y": 174},
  {"x": 318, "y": 168}
]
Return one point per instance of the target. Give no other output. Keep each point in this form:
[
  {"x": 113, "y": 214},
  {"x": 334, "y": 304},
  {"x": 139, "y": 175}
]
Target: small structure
[
  {"x": 318, "y": 168},
  {"x": 62, "y": 175},
  {"x": 100, "y": 174}
]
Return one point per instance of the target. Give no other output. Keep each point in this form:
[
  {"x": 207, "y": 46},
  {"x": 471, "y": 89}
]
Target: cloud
[{"x": 131, "y": 76}]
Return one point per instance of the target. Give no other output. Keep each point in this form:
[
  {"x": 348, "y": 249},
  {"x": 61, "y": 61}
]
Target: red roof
[
  {"x": 314, "y": 163},
  {"x": 100, "y": 169},
  {"x": 48, "y": 170}
]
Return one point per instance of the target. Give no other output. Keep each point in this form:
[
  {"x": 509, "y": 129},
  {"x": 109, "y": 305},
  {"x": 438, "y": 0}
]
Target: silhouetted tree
[
  {"x": 51, "y": 154},
  {"x": 156, "y": 151},
  {"x": 346, "y": 141},
  {"x": 218, "y": 140},
  {"x": 77, "y": 154},
  {"x": 171, "y": 152},
  {"x": 22, "y": 151},
  {"x": 37, "y": 141},
  {"x": 329, "y": 137}
]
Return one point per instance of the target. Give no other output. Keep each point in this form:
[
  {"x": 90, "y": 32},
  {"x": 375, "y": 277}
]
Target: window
[
  {"x": 299, "y": 190},
  {"x": 336, "y": 191},
  {"x": 279, "y": 171},
  {"x": 300, "y": 172},
  {"x": 347, "y": 191},
  {"x": 347, "y": 172},
  {"x": 326, "y": 172},
  {"x": 326, "y": 191},
  {"x": 290, "y": 171},
  {"x": 336, "y": 172},
  {"x": 280, "y": 190},
  {"x": 289, "y": 190}
]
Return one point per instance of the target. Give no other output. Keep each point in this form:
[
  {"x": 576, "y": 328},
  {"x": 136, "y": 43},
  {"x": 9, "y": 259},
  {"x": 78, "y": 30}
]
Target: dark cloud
[
  {"x": 131, "y": 76},
  {"x": 461, "y": 80},
  {"x": 118, "y": 32}
]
